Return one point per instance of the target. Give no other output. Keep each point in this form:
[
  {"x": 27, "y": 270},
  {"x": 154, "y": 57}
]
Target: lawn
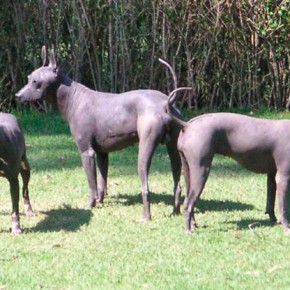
[{"x": 66, "y": 246}]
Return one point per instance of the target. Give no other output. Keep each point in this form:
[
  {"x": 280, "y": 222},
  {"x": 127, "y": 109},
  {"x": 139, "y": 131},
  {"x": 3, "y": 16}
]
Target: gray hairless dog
[
  {"x": 12, "y": 162},
  {"x": 259, "y": 145},
  {"x": 104, "y": 122}
]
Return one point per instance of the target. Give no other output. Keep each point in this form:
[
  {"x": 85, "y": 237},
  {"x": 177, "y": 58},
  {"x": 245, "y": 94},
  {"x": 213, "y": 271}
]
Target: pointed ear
[
  {"x": 44, "y": 56},
  {"x": 52, "y": 61}
]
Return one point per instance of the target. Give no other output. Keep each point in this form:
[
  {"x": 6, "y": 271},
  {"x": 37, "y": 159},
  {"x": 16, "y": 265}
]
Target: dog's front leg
[
  {"x": 89, "y": 164},
  {"x": 102, "y": 164}
]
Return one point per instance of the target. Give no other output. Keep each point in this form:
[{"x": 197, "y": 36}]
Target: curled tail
[
  {"x": 172, "y": 95},
  {"x": 171, "y": 70},
  {"x": 171, "y": 100}
]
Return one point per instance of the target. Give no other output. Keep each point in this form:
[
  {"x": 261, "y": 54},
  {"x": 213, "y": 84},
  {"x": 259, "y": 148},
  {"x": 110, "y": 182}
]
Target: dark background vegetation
[{"x": 234, "y": 54}]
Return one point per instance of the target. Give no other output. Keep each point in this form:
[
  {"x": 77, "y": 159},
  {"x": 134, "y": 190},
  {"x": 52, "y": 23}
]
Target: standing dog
[
  {"x": 259, "y": 145},
  {"x": 104, "y": 122},
  {"x": 12, "y": 162}
]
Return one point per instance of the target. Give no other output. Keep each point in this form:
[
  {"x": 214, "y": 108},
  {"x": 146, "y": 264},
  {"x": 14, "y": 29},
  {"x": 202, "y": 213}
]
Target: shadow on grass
[
  {"x": 202, "y": 205},
  {"x": 252, "y": 224},
  {"x": 222, "y": 205},
  {"x": 63, "y": 219}
]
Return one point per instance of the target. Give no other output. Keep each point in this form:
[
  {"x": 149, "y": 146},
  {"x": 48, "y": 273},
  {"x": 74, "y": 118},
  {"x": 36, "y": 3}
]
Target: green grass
[{"x": 69, "y": 247}]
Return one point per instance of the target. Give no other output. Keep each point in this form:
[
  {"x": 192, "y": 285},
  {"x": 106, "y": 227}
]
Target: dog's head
[{"x": 43, "y": 81}]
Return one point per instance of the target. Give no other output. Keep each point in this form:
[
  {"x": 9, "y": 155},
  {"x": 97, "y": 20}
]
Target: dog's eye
[{"x": 36, "y": 84}]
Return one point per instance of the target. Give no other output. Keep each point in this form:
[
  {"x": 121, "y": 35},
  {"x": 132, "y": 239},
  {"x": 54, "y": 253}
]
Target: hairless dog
[
  {"x": 13, "y": 161},
  {"x": 104, "y": 122},
  {"x": 259, "y": 145}
]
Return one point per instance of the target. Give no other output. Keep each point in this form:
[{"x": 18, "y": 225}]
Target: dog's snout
[
  {"x": 21, "y": 93},
  {"x": 18, "y": 95}
]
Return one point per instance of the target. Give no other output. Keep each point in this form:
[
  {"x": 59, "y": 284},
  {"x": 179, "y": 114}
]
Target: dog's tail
[
  {"x": 171, "y": 100},
  {"x": 172, "y": 95},
  {"x": 171, "y": 70}
]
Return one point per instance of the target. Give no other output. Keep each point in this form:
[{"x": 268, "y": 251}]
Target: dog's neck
[
  {"x": 67, "y": 95},
  {"x": 63, "y": 92}
]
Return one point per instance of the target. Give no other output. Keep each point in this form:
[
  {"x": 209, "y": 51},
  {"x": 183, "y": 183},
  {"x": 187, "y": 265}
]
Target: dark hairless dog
[
  {"x": 12, "y": 162},
  {"x": 259, "y": 145},
  {"x": 104, "y": 122}
]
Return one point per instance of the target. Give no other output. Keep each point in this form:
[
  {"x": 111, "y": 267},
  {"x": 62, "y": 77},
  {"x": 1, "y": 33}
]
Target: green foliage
[
  {"x": 274, "y": 19},
  {"x": 234, "y": 54},
  {"x": 69, "y": 247}
]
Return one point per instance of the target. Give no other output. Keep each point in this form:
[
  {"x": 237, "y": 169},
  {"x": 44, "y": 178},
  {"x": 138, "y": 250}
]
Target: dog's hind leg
[
  {"x": 185, "y": 168},
  {"x": 144, "y": 162},
  {"x": 198, "y": 174},
  {"x": 149, "y": 138},
  {"x": 25, "y": 174},
  {"x": 283, "y": 187},
  {"x": 14, "y": 191},
  {"x": 186, "y": 171},
  {"x": 271, "y": 195},
  {"x": 175, "y": 163}
]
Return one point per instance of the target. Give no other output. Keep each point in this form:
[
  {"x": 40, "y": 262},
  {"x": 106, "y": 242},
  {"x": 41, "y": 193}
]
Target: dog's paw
[
  {"x": 16, "y": 229},
  {"x": 143, "y": 220}
]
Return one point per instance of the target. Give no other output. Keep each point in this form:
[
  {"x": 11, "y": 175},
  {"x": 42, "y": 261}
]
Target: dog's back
[{"x": 253, "y": 142}]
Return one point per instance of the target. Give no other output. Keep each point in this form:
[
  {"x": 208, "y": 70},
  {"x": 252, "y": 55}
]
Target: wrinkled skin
[
  {"x": 259, "y": 145},
  {"x": 13, "y": 161},
  {"x": 103, "y": 122}
]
